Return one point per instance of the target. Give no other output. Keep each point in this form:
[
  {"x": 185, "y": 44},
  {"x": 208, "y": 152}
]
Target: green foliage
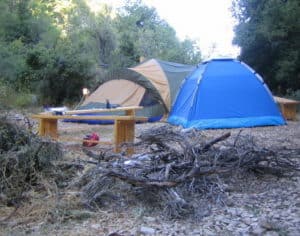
[
  {"x": 12, "y": 63},
  {"x": 6, "y": 97},
  {"x": 142, "y": 33},
  {"x": 9, "y": 98},
  {"x": 43, "y": 61},
  {"x": 268, "y": 34},
  {"x": 60, "y": 73},
  {"x": 23, "y": 20},
  {"x": 54, "y": 48}
]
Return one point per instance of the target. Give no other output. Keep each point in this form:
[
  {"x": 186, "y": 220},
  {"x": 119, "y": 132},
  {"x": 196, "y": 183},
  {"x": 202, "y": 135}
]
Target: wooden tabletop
[
  {"x": 74, "y": 117},
  {"x": 285, "y": 100},
  {"x": 103, "y": 110}
]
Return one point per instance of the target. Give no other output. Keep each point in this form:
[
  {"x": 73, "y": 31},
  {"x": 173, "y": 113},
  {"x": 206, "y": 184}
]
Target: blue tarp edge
[
  {"x": 228, "y": 122},
  {"x": 109, "y": 122}
]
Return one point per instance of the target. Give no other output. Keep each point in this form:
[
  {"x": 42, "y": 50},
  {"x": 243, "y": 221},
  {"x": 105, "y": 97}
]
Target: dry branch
[
  {"x": 177, "y": 164},
  {"x": 26, "y": 159}
]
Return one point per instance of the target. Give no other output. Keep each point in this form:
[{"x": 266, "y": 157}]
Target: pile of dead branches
[
  {"x": 179, "y": 170},
  {"x": 25, "y": 162}
]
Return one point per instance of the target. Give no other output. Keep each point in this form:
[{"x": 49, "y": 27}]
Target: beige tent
[
  {"x": 122, "y": 92},
  {"x": 152, "y": 84},
  {"x": 165, "y": 76},
  {"x": 152, "y": 71}
]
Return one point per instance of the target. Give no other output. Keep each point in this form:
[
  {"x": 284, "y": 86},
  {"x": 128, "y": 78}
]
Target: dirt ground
[{"x": 256, "y": 206}]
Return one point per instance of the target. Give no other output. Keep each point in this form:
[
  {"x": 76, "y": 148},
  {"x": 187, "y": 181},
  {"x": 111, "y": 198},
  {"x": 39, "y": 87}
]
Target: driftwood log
[{"x": 175, "y": 165}]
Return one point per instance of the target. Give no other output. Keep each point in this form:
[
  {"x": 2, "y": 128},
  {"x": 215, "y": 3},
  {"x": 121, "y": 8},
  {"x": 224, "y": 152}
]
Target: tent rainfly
[
  {"x": 224, "y": 93},
  {"x": 165, "y": 76}
]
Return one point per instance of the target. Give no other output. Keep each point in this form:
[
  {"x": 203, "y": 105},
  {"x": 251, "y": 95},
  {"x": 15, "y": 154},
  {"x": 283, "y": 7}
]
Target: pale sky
[{"x": 209, "y": 22}]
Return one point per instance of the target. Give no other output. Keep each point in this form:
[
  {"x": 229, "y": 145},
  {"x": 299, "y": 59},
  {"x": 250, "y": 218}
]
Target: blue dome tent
[{"x": 224, "y": 93}]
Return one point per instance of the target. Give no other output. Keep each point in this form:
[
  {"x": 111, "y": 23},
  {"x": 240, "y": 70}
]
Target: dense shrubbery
[
  {"x": 9, "y": 98},
  {"x": 268, "y": 34}
]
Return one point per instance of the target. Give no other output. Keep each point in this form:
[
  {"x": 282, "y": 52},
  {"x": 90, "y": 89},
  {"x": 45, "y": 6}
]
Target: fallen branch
[{"x": 176, "y": 164}]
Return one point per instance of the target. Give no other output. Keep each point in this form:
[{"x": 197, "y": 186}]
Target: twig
[{"x": 3, "y": 221}]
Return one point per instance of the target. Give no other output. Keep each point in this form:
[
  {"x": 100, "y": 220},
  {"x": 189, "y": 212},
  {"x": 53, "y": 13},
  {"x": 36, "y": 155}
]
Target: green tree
[
  {"x": 61, "y": 72},
  {"x": 43, "y": 52},
  {"x": 21, "y": 28},
  {"x": 23, "y": 20},
  {"x": 268, "y": 33},
  {"x": 142, "y": 33}
]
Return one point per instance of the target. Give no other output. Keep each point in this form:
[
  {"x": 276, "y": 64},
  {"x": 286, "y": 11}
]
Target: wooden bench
[
  {"x": 288, "y": 107},
  {"x": 124, "y": 125}
]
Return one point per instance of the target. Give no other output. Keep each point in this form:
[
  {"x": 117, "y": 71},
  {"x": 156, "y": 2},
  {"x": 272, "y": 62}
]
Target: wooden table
[
  {"x": 124, "y": 125},
  {"x": 288, "y": 107}
]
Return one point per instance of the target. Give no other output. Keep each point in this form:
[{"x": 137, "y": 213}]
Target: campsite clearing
[{"x": 256, "y": 205}]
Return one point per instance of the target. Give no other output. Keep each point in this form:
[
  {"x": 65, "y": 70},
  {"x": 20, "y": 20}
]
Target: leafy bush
[
  {"x": 10, "y": 98},
  {"x": 60, "y": 73}
]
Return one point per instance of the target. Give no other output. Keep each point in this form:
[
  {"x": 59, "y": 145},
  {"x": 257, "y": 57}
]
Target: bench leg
[
  {"x": 290, "y": 111},
  {"x": 48, "y": 127},
  {"x": 124, "y": 132}
]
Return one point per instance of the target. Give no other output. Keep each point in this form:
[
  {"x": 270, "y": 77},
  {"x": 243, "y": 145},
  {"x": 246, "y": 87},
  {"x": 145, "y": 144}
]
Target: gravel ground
[{"x": 255, "y": 206}]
